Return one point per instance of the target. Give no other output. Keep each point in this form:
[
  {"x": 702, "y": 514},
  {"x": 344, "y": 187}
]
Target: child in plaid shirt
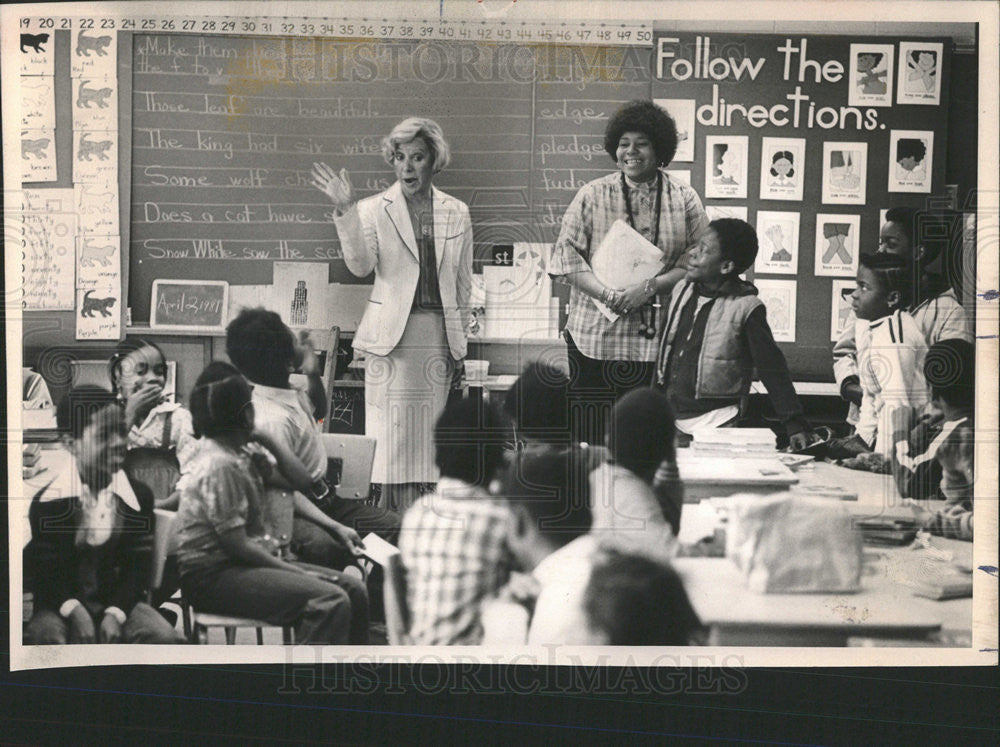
[
  {"x": 949, "y": 369},
  {"x": 453, "y": 541}
]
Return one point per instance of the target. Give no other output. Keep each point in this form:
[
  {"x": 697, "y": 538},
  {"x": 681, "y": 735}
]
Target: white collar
[
  {"x": 162, "y": 407},
  {"x": 69, "y": 483}
]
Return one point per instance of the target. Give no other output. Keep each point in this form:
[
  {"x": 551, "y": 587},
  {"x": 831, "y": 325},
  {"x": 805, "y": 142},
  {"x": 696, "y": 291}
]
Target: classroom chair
[
  {"x": 349, "y": 464},
  {"x": 197, "y": 624},
  {"x": 397, "y": 613},
  {"x": 330, "y": 371},
  {"x": 89, "y": 372}
]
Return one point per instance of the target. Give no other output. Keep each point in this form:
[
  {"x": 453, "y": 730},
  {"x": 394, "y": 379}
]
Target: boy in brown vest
[{"x": 715, "y": 336}]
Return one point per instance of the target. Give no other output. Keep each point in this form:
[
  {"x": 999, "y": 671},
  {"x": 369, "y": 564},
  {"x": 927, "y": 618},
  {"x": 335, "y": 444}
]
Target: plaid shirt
[
  {"x": 595, "y": 208},
  {"x": 453, "y": 546}
]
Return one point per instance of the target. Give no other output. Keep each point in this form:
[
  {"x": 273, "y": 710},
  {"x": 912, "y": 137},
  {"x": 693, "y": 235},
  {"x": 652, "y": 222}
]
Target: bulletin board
[{"x": 806, "y": 105}]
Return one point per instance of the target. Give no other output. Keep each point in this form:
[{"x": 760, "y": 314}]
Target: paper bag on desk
[
  {"x": 794, "y": 544},
  {"x": 624, "y": 258}
]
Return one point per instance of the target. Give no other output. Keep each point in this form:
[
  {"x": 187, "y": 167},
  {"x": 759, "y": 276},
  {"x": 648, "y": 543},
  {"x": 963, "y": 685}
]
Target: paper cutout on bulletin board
[
  {"x": 98, "y": 313},
  {"x": 911, "y": 157},
  {"x": 845, "y": 173},
  {"x": 36, "y": 51},
  {"x": 95, "y": 156},
  {"x": 98, "y": 261},
  {"x": 681, "y": 175},
  {"x": 48, "y": 254},
  {"x": 94, "y": 54},
  {"x": 38, "y": 156},
  {"x": 871, "y": 75},
  {"x": 779, "y": 299},
  {"x": 837, "y": 244},
  {"x": 518, "y": 295},
  {"x": 714, "y": 212},
  {"x": 778, "y": 235},
  {"x": 840, "y": 307},
  {"x": 95, "y": 103},
  {"x": 301, "y": 293},
  {"x": 38, "y": 102},
  {"x": 726, "y": 166},
  {"x": 97, "y": 208},
  {"x": 919, "y": 73},
  {"x": 782, "y": 168},
  {"x": 683, "y": 113}
]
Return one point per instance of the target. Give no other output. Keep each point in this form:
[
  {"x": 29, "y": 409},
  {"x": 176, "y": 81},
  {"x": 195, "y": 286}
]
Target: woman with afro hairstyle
[{"x": 608, "y": 358}]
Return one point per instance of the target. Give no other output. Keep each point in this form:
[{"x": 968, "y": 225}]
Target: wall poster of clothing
[
  {"x": 845, "y": 173},
  {"x": 837, "y": 245}
]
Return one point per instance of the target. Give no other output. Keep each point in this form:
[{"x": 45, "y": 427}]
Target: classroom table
[{"x": 885, "y": 609}]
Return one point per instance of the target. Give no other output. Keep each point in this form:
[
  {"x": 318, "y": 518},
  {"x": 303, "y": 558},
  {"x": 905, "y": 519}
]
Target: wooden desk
[{"x": 884, "y": 608}]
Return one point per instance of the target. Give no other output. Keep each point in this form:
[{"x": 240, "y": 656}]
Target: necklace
[{"x": 656, "y": 205}]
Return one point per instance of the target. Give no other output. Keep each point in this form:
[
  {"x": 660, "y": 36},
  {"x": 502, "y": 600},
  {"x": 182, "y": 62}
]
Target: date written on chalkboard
[{"x": 189, "y": 304}]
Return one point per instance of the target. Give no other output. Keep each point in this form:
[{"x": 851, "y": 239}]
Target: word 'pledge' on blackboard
[{"x": 189, "y": 304}]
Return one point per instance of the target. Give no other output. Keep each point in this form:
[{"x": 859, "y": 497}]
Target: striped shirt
[
  {"x": 891, "y": 353},
  {"x": 587, "y": 220}
]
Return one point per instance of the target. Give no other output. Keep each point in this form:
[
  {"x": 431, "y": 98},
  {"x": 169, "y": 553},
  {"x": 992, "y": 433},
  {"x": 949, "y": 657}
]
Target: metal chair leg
[
  {"x": 260, "y": 636},
  {"x": 230, "y": 636}
]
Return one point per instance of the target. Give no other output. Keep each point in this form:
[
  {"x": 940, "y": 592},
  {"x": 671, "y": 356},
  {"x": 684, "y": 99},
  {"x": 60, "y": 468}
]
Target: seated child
[
  {"x": 936, "y": 309},
  {"x": 265, "y": 351},
  {"x": 891, "y": 352},
  {"x": 549, "y": 537},
  {"x": 228, "y": 566},
  {"x": 629, "y": 504},
  {"x": 453, "y": 541},
  {"x": 636, "y": 600},
  {"x": 716, "y": 334},
  {"x": 161, "y": 441},
  {"x": 539, "y": 410},
  {"x": 91, "y": 547},
  {"x": 950, "y": 370}
]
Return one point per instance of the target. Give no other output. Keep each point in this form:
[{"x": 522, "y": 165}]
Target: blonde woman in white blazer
[{"x": 418, "y": 241}]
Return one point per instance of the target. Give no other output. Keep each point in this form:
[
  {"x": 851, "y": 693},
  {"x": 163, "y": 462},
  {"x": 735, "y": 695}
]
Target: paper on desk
[
  {"x": 624, "y": 258},
  {"x": 378, "y": 550}
]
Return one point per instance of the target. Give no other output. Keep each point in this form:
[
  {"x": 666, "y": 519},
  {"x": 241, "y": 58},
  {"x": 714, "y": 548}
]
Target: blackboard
[
  {"x": 189, "y": 304},
  {"x": 225, "y": 130}
]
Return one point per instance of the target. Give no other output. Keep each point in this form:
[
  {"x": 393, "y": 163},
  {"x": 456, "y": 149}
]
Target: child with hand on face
[
  {"x": 161, "y": 441},
  {"x": 891, "y": 351}
]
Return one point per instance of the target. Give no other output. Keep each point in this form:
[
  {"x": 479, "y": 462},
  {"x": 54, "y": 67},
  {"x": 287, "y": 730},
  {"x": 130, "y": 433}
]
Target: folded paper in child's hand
[
  {"x": 378, "y": 550},
  {"x": 624, "y": 258}
]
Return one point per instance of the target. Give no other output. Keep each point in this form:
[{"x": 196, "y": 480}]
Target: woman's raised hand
[{"x": 335, "y": 186}]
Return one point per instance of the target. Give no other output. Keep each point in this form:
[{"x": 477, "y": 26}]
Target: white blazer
[{"x": 377, "y": 235}]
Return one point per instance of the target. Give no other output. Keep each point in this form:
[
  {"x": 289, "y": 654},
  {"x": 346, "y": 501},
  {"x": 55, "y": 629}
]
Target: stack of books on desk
[
  {"x": 30, "y": 460},
  {"x": 730, "y": 441}
]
